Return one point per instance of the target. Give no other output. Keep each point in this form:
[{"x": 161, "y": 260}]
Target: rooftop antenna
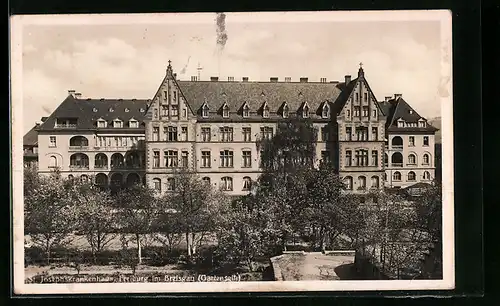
[{"x": 199, "y": 71}]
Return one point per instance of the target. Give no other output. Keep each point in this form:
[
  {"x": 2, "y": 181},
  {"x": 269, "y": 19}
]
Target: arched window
[
  {"x": 348, "y": 182},
  {"x": 397, "y": 142},
  {"x": 101, "y": 161},
  {"x": 170, "y": 184},
  {"x": 265, "y": 111},
  {"x": 52, "y": 162},
  {"x": 225, "y": 111},
  {"x": 78, "y": 141},
  {"x": 397, "y": 160},
  {"x": 411, "y": 176},
  {"x": 362, "y": 182},
  {"x": 396, "y": 176},
  {"x": 133, "y": 179},
  {"x": 247, "y": 183},
  {"x": 246, "y": 111},
  {"x": 132, "y": 160},
  {"x": 117, "y": 161},
  {"x": 305, "y": 111},
  {"x": 204, "y": 111},
  {"x": 326, "y": 111},
  {"x": 412, "y": 159},
  {"x": 226, "y": 183},
  {"x": 427, "y": 175},
  {"x": 375, "y": 182},
  {"x": 116, "y": 179},
  {"x": 206, "y": 180},
  {"x": 285, "y": 111},
  {"x": 101, "y": 179},
  {"x": 426, "y": 159},
  {"x": 157, "y": 184},
  {"x": 79, "y": 161}
]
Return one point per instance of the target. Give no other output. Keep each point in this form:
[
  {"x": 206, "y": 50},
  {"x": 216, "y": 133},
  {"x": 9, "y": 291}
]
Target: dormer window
[
  {"x": 265, "y": 111},
  {"x": 94, "y": 110},
  {"x": 326, "y": 111},
  {"x": 285, "y": 111},
  {"x": 127, "y": 110},
  {"x": 225, "y": 111},
  {"x": 246, "y": 111},
  {"x": 204, "y": 111},
  {"x": 142, "y": 110},
  {"x": 111, "y": 110},
  {"x": 117, "y": 123},
  {"x": 101, "y": 123},
  {"x": 401, "y": 123},
  {"x": 133, "y": 123},
  {"x": 422, "y": 123},
  {"x": 305, "y": 111}
]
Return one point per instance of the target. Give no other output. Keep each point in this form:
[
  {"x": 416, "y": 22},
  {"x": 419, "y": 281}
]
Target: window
[
  {"x": 225, "y": 111},
  {"x": 165, "y": 96},
  {"x": 348, "y": 133},
  {"x": 348, "y": 113},
  {"x": 265, "y": 111},
  {"x": 133, "y": 124},
  {"x": 411, "y": 176},
  {"x": 170, "y": 184},
  {"x": 157, "y": 184},
  {"x": 184, "y": 159},
  {"x": 365, "y": 111},
  {"x": 348, "y": 158},
  {"x": 285, "y": 111},
  {"x": 246, "y": 111},
  {"x": 305, "y": 112},
  {"x": 412, "y": 160},
  {"x": 156, "y": 133},
  {"x": 226, "y": 183},
  {"x": 156, "y": 159},
  {"x": 401, "y": 123},
  {"x": 362, "y": 183},
  {"x": 52, "y": 142},
  {"x": 171, "y": 133},
  {"x": 324, "y": 133},
  {"x": 79, "y": 160},
  {"x": 427, "y": 175},
  {"x": 226, "y": 134},
  {"x": 170, "y": 159},
  {"x": 411, "y": 141},
  {"x": 117, "y": 124},
  {"x": 361, "y": 158},
  {"x": 374, "y": 133},
  {"x": 374, "y": 158},
  {"x": 362, "y": 133},
  {"x": 365, "y": 96},
  {"x": 357, "y": 97},
  {"x": 326, "y": 111},
  {"x": 356, "y": 111},
  {"x": 374, "y": 113},
  {"x": 184, "y": 133},
  {"x": 206, "y": 180},
  {"x": 205, "y": 134},
  {"x": 164, "y": 110},
  {"x": 247, "y": 183},
  {"x": 205, "y": 159},
  {"x": 421, "y": 124},
  {"x": 184, "y": 113},
  {"x": 375, "y": 182},
  {"x": 204, "y": 111},
  {"x": 266, "y": 132},
  {"x": 247, "y": 159},
  {"x": 175, "y": 96},
  {"x": 426, "y": 141},
  {"x": 174, "y": 110},
  {"x": 426, "y": 159},
  {"x": 325, "y": 156},
  {"x": 53, "y": 162},
  {"x": 226, "y": 159},
  {"x": 348, "y": 182},
  {"x": 101, "y": 124},
  {"x": 247, "y": 134},
  {"x": 396, "y": 176},
  {"x": 155, "y": 111}
]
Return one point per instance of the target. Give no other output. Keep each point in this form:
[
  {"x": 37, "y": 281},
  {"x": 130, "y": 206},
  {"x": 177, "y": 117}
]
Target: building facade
[{"x": 213, "y": 127}]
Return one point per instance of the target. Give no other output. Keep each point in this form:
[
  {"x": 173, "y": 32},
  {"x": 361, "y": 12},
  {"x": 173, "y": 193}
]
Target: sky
[{"x": 128, "y": 59}]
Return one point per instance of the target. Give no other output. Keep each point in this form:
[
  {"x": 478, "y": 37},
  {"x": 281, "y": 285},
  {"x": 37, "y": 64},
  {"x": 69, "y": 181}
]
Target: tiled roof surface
[
  {"x": 31, "y": 138},
  {"x": 83, "y": 109},
  {"x": 255, "y": 94},
  {"x": 398, "y": 108}
]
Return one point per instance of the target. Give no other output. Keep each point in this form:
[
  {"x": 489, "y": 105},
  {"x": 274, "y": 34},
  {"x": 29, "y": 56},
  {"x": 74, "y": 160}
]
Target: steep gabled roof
[
  {"x": 346, "y": 90},
  {"x": 83, "y": 109},
  {"x": 398, "y": 108},
  {"x": 255, "y": 94},
  {"x": 31, "y": 138}
]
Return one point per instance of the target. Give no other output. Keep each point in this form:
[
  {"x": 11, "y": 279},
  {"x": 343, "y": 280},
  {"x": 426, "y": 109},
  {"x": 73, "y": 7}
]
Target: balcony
[
  {"x": 101, "y": 167},
  {"x": 65, "y": 126},
  {"x": 78, "y": 148},
  {"x": 397, "y": 147}
]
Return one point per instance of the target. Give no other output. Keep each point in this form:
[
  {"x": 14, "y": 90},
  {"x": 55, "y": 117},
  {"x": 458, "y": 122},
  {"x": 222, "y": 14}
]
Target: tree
[
  {"x": 136, "y": 212},
  {"x": 430, "y": 211},
  {"x": 193, "y": 203},
  {"x": 49, "y": 214},
  {"x": 96, "y": 216}
]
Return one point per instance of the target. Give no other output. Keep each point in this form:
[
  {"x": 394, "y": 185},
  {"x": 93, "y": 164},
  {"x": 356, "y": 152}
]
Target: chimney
[
  {"x": 303, "y": 80},
  {"x": 44, "y": 119},
  {"x": 387, "y": 98},
  {"x": 244, "y": 79},
  {"x": 71, "y": 92},
  {"x": 322, "y": 80},
  {"x": 194, "y": 78},
  {"x": 214, "y": 79},
  {"x": 78, "y": 95},
  {"x": 273, "y": 79},
  {"x": 288, "y": 79},
  {"x": 347, "y": 79},
  {"x": 398, "y": 95},
  {"x": 230, "y": 79}
]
